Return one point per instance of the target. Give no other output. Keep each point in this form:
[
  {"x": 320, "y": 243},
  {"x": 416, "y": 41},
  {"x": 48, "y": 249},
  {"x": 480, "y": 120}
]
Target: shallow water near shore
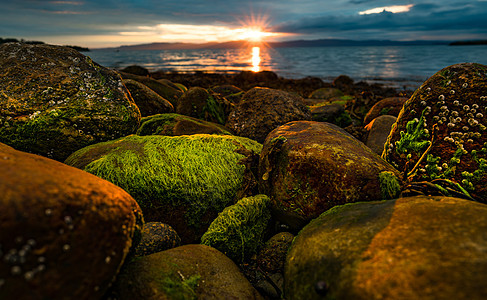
[{"x": 395, "y": 66}]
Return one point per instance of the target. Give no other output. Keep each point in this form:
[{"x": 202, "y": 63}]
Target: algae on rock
[
  {"x": 238, "y": 231},
  {"x": 183, "y": 181}
]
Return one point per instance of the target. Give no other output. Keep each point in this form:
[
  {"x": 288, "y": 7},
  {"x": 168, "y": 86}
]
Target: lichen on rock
[{"x": 54, "y": 101}]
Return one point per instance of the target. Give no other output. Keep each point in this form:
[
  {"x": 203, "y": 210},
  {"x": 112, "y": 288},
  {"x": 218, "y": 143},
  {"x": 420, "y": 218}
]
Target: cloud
[{"x": 426, "y": 18}]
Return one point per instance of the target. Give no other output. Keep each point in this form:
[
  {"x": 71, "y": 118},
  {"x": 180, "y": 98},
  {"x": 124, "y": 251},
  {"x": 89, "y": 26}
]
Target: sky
[{"x": 111, "y": 23}]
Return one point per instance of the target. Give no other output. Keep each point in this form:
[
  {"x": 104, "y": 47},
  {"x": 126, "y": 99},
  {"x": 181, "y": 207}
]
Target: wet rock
[
  {"x": 174, "y": 124},
  {"x": 332, "y": 113},
  {"x": 343, "y": 82},
  {"x": 262, "y": 110},
  {"x": 272, "y": 257},
  {"x": 199, "y": 103},
  {"x": 230, "y": 92},
  {"x": 65, "y": 233},
  {"x": 326, "y": 93},
  {"x": 409, "y": 248},
  {"x": 308, "y": 167},
  {"x": 148, "y": 101},
  {"x": 238, "y": 231},
  {"x": 440, "y": 133},
  {"x": 378, "y": 131},
  {"x": 156, "y": 237},
  {"x": 54, "y": 101},
  {"x": 186, "y": 272},
  {"x": 182, "y": 181},
  {"x": 136, "y": 70},
  {"x": 388, "y": 106},
  {"x": 168, "y": 91}
]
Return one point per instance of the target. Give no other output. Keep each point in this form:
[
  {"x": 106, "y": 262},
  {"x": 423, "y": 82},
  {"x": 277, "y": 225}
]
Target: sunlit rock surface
[{"x": 64, "y": 233}]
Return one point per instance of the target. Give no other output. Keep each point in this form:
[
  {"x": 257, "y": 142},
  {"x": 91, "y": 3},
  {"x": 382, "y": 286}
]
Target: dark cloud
[
  {"x": 315, "y": 18},
  {"x": 426, "y": 17}
]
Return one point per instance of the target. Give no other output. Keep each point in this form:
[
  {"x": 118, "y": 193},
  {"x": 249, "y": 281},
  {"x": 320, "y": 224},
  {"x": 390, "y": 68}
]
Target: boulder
[
  {"x": 388, "y": 106},
  {"x": 186, "y": 272},
  {"x": 262, "y": 110},
  {"x": 409, "y": 248},
  {"x": 377, "y": 132},
  {"x": 230, "y": 92},
  {"x": 440, "y": 134},
  {"x": 238, "y": 231},
  {"x": 157, "y": 237},
  {"x": 54, "y": 101},
  {"x": 136, "y": 70},
  {"x": 308, "y": 167},
  {"x": 332, "y": 113},
  {"x": 148, "y": 101},
  {"x": 65, "y": 233},
  {"x": 174, "y": 124},
  {"x": 326, "y": 93},
  {"x": 199, "y": 103},
  {"x": 165, "y": 89},
  {"x": 182, "y": 181}
]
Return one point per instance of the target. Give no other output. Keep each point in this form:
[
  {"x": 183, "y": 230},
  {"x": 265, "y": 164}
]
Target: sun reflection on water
[{"x": 255, "y": 59}]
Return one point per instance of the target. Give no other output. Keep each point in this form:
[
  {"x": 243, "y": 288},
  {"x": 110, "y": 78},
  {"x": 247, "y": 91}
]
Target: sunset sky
[{"x": 94, "y": 23}]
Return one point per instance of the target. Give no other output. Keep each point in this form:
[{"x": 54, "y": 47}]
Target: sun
[
  {"x": 253, "y": 34},
  {"x": 255, "y": 29}
]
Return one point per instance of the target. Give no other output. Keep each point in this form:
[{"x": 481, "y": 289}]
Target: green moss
[
  {"x": 163, "y": 124},
  {"x": 238, "y": 231},
  {"x": 389, "y": 185},
  {"x": 385, "y": 111},
  {"x": 416, "y": 138},
  {"x": 200, "y": 172},
  {"x": 177, "y": 288},
  {"x": 215, "y": 109}
]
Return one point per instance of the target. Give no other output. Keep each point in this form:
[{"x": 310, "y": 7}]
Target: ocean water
[{"x": 397, "y": 66}]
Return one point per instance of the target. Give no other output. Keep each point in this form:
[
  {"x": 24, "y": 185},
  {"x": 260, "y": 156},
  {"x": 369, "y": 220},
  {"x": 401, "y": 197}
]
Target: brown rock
[
  {"x": 409, "y": 248},
  {"x": 262, "y": 110},
  {"x": 307, "y": 168},
  {"x": 156, "y": 237},
  {"x": 65, "y": 233},
  {"x": 388, "y": 106},
  {"x": 148, "y": 101},
  {"x": 378, "y": 131},
  {"x": 186, "y": 272}
]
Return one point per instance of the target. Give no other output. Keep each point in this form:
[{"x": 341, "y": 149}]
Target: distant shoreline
[{"x": 468, "y": 43}]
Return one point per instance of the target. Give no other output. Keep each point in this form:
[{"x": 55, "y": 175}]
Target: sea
[{"x": 395, "y": 66}]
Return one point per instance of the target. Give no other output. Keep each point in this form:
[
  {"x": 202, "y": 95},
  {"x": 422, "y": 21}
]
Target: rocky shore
[{"x": 130, "y": 184}]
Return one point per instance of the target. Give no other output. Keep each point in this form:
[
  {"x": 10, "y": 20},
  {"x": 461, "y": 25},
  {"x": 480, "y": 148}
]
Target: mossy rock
[
  {"x": 308, "y": 167},
  {"x": 156, "y": 237},
  {"x": 183, "y": 181},
  {"x": 409, "y": 248},
  {"x": 239, "y": 230},
  {"x": 175, "y": 124},
  {"x": 148, "y": 101},
  {"x": 332, "y": 113},
  {"x": 197, "y": 102},
  {"x": 165, "y": 89},
  {"x": 326, "y": 93},
  {"x": 64, "y": 232},
  {"x": 441, "y": 131},
  {"x": 54, "y": 101},
  {"x": 230, "y": 92},
  {"x": 186, "y": 272},
  {"x": 263, "y": 110}
]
